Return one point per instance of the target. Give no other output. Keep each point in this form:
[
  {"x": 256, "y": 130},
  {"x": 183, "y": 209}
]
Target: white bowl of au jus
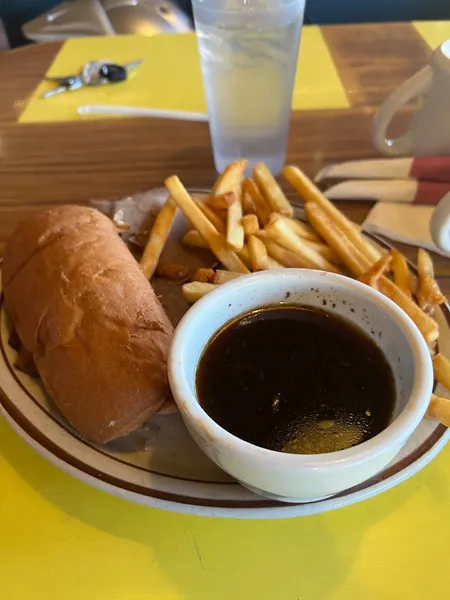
[{"x": 299, "y": 383}]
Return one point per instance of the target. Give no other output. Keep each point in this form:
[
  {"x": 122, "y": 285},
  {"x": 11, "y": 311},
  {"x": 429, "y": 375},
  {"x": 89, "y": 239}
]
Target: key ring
[{"x": 93, "y": 73}]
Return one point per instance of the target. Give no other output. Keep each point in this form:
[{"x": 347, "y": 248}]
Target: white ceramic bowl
[{"x": 294, "y": 477}]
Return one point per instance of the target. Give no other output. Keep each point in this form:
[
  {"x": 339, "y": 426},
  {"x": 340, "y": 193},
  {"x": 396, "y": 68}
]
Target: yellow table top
[{"x": 62, "y": 540}]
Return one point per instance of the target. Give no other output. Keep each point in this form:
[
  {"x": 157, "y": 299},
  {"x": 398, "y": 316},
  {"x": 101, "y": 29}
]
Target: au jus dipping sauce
[{"x": 296, "y": 379}]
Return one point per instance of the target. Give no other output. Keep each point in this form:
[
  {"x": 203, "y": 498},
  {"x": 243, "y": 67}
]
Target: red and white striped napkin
[
  {"x": 406, "y": 191},
  {"x": 425, "y": 168}
]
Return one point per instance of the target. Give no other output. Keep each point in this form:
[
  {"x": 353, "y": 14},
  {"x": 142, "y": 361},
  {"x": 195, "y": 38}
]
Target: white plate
[{"x": 161, "y": 466}]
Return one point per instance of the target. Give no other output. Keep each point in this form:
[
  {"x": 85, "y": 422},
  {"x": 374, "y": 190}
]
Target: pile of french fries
[{"x": 249, "y": 225}]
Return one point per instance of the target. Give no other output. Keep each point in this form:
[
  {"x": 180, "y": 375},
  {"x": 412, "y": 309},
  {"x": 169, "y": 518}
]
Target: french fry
[
  {"x": 244, "y": 255},
  {"x": 426, "y": 325},
  {"x": 235, "y": 230},
  {"x": 210, "y": 215},
  {"x": 400, "y": 270},
  {"x": 217, "y": 277},
  {"x": 271, "y": 191},
  {"x": 262, "y": 209},
  {"x": 221, "y": 202},
  {"x": 273, "y": 263},
  {"x": 376, "y": 271},
  {"x": 325, "y": 251},
  {"x": 428, "y": 293},
  {"x": 283, "y": 235},
  {"x": 248, "y": 206},
  {"x": 351, "y": 257},
  {"x": 432, "y": 347},
  {"x": 204, "y": 275},
  {"x": 258, "y": 253},
  {"x": 157, "y": 238},
  {"x": 250, "y": 224},
  {"x": 194, "y": 239},
  {"x": 441, "y": 366},
  {"x": 195, "y": 290},
  {"x": 439, "y": 409},
  {"x": 231, "y": 181},
  {"x": 320, "y": 247},
  {"x": 225, "y": 276},
  {"x": 122, "y": 226},
  {"x": 171, "y": 271},
  {"x": 222, "y": 276},
  {"x": 314, "y": 241},
  {"x": 358, "y": 264},
  {"x": 209, "y": 233},
  {"x": 285, "y": 258},
  {"x": 310, "y": 193},
  {"x": 302, "y": 230}
]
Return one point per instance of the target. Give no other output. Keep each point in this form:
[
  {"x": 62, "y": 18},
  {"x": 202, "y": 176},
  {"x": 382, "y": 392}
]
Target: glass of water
[{"x": 249, "y": 52}]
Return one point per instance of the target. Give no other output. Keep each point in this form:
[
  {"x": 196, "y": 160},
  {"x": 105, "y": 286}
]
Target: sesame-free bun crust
[{"x": 83, "y": 308}]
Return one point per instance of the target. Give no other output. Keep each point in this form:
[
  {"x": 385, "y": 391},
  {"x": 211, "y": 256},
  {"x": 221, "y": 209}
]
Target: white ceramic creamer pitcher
[{"x": 429, "y": 133}]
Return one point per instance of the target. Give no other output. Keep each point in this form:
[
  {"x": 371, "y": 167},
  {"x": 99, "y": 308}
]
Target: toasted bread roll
[{"x": 83, "y": 308}]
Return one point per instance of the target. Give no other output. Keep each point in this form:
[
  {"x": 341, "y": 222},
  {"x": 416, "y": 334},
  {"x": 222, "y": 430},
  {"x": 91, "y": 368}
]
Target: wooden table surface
[{"x": 44, "y": 164}]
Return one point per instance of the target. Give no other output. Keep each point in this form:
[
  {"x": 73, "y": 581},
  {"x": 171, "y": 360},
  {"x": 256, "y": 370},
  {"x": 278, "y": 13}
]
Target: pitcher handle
[{"x": 416, "y": 85}]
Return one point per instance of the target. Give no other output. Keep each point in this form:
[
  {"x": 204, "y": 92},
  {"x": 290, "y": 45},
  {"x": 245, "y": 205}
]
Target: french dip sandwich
[{"x": 85, "y": 311}]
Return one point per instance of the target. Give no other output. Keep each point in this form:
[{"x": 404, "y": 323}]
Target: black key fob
[{"x": 113, "y": 73}]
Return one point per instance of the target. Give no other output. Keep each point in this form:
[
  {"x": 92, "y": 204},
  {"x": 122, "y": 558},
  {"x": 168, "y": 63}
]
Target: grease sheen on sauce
[{"x": 296, "y": 379}]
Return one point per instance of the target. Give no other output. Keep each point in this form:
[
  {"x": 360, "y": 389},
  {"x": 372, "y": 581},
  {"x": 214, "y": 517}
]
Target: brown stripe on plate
[
  {"x": 69, "y": 459},
  {"x": 359, "y": 54}
]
